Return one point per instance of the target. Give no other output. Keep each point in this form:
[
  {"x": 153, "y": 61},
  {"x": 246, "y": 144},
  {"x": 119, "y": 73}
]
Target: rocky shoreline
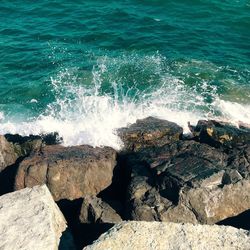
[{"x": 161, "y": 175}]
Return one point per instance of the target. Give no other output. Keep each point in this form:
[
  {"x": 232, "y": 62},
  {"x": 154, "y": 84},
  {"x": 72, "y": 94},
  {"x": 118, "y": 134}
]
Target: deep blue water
[{"x": 85, "y": 69}]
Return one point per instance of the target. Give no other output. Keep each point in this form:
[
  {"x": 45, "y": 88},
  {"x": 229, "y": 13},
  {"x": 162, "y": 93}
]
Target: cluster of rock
[
  {"x": 161, "y": 175},
  {"x": 202, "y": 179}
]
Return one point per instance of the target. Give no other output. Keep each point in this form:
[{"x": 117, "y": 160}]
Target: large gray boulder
[
  {"x": 171, "y": 236},
  {"x": 69, "y": 172},
  {"x": 30, "y": 219}
]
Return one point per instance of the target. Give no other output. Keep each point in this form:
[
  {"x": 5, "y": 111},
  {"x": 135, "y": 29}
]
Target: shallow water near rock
[{"x": 86, "y": 69}]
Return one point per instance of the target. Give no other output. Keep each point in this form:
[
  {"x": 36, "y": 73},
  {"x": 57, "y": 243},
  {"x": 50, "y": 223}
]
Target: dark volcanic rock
[
  {"x": 149, "y": 132},
  {"x": 8, "y": 156},
  {"x": 69, "y": 172},
  {"x": 94, "y": 210},
  {"x": 221, "y": 133},
  {"x": 24, "y": 145},
  {"x": 190, "y": 181}
]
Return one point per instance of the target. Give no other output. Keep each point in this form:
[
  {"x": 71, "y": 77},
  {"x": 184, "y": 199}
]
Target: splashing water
[{"x": 120, "y": 90}]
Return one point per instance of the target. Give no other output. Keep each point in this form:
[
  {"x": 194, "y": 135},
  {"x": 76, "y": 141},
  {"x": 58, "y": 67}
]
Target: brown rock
[
  {"x": 211, "y": 205},
  {"x": 149, "y": 132},
  {"x": 94, "y": 210},
  {"x": 8, "y": 155},
  {"x": 69, "y": 172}
]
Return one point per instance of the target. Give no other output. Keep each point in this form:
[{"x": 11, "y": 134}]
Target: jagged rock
[
  {"x": 211, "y": 205},
  {"x": 8, "y": 156},
  {"x": 221, "y": 133},
  {"x": 69, "y": 172},
  {"x": 171, "y": 236},
  {"x": 149, "y": 132},
  {"x": 239, "y": 160},
  {"x": 25, "y": 145},
  {"x": 188, "y": 181},
  {"x": 30, "y": 219},
  {"x": 94, "y": 210}
]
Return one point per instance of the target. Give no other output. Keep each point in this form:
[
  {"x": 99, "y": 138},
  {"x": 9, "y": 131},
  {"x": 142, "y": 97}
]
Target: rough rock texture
[
  {"x": 171, "y": 236},
  {"x": 8, "y": 156},
  {"x": 30, "y": 219},
  {"x": 69, "y": 172},
  {"x": 94, "y": 210},
  {"x": 195, "y": 180},
  {"x": 220, "y": 133},
  {"x": 24, "y": 145},
  {"x": 149, "y": 132}
]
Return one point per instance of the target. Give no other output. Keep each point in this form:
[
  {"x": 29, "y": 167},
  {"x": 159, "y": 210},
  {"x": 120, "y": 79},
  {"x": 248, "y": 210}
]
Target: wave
[{"x": 121, "y": 90}]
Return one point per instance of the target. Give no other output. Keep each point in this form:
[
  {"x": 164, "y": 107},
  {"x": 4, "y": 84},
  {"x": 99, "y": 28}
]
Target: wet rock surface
[
  {"x": 69, "y": 172},
  {"x": 25, "y": 145},
  {"x": 149, "y": 132},
  {"x": 160, "y": 175},
  {"x": 198, "y": 180},
  {"x": 219, "y": 133}
]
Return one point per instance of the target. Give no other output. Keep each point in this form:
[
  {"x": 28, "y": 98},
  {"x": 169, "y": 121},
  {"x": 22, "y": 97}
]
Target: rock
[
  {"x": 171, "y": 236},
  {"x": 195, "y": 185},
  {"x": 8, "y": 156},
  {"x": 149, "y": 132},
  {"x": 69, "y": 172},
  {"x": 150, "y": 206},
  {"x": 221, "y": 133},
  {"x": 182, "y": 166},
  {"x": 188, "y": 181},
  {"x": 25, "y": 145},
  {"x": 94, "y": 210},
  {"x": 211, "y": 205},
  {"x": 239, "y": 160},
  {"x": 30, "y": 219}
]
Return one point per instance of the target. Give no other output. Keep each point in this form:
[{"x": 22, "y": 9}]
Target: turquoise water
[{"x": 85, "y": 69}]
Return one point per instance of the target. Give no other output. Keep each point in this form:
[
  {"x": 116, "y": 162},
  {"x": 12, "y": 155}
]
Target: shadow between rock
[
  {"x": 240, "y": 221},
  {"x": 7, "y": 177},
  {"x": 83, "y": 234}
]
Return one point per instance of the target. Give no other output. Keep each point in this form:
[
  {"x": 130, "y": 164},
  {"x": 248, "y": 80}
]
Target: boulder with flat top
[
  {"x": 149, "y": 132},
  {"x": 69, "y": 172}
]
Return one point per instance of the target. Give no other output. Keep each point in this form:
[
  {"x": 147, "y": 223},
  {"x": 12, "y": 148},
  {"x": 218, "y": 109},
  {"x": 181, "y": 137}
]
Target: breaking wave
[{"x": 89, "y": 105}]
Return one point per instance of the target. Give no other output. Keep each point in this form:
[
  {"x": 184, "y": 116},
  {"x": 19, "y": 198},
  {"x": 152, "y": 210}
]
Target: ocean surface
[{"x": 86, "y": 68}]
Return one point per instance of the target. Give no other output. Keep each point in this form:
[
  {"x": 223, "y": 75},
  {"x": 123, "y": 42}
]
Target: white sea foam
[
  {"x": 97, "y": 129},
  {"x": 233, "y": 112},
  {"x": 1, "y": 116},
  {"x": 90, "y": 114},
  {"x": 33, "y": 101}
]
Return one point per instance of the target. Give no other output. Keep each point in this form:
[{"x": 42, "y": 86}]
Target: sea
[{"x": 86, "y": 68}]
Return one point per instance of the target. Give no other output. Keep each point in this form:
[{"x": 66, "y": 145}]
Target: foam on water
[
  {"x": 1, "y": 116},
  {"x": 91, "y": 113},
  {"x": 233, "y": 112}
]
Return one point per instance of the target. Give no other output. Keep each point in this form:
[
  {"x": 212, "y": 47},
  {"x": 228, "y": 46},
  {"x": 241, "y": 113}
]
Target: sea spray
[{"x": 120, "y": 90}]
